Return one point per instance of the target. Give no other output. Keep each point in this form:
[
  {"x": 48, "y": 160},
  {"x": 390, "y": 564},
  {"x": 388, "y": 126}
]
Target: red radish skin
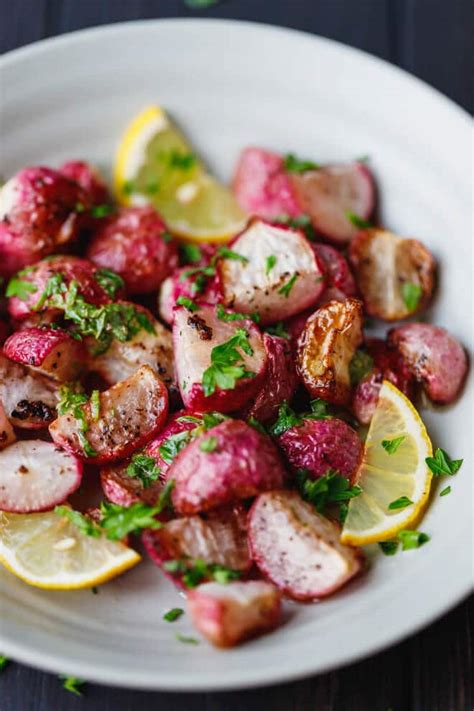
[
  {"x": 89, "y": 179},
  {"x": 125, "y": 490},
  {"x": 218, "y": 537},
  {"x": 297, "y": 549},
  {"x": 253, "y": 285},
  {"x": 29, "y": 399},
  {"x": 280, "y": 380},
  {"x": 4, "y": 332},
  {"x": 175, "y": 426},
  {"x": 135, "y": 243},
  {"x": 180, "y": 285},
  {"x": 7, "y": 433},
  {"x": 384, "y": 264},
  {"x": 340, "y": 283},
  {"x": 388, "y": 365},
  {"x": 36, "y": 476},
  {"x": 434, "y": 357},
  {"x": 321, "y": 445},
  {"x": 195, "y": 334},
  {"x": 241, "y": 464},
  {"x": 326, "y": 347},
  {"x": 261, "y": 185},
  {"x": 72, "y": 269},
  {"x": 131, "y": 413},
  {"x": 50, "y": 351},
  {"x": 121, "y": 360},
  {"x": 229, "y": 614},
  {"x": 329, "y": 193},
  {"x": 38, "y": 216}
]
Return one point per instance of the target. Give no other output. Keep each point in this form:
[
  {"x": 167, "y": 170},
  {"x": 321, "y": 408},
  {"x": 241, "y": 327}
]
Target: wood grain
[{"x": 432, "y": 670}]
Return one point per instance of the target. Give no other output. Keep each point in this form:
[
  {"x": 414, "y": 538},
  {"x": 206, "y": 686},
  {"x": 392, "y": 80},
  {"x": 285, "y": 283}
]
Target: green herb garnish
[
  {"x": 194, "y": 571},
  {"x": 229, "y": 316},
  {"x": 144, "y": 468},
  {"x": 278, "y": 329},
  {"x": 173, "y": 445},
  {"x": 358, "y": 221},
  {"x": 286, "y": 288},
  {"x": 293, "y": 164},
  {"x": 95, "y": 405},
  {"x": 270, "y": 263},
  {"x": 226, "y": 364},
  {"x": 83, "y": 523},
  {"x": 73, "y": 684},
  {"x": 287, "y": 418},
  {"x": 102, "y": 210},
  {"x": 181, "y": 637},
  {"x": 328, "y": 489},
  {"x": 208, "y": 445},
  {"x": 173, "y": 614},
  {"x": 442, "y": 464},
  {"x": 401, "y": 503},
  {"x": 412, "y": 539},
  {"x": 411, "y": 294},
  {"x": 190, "y": 253},
  {"x": 111, "y": 282},
  {"x": 3, "y": 662},
  {"x": 391, "y": 445},
  {"x": 21, "y": 288},
  {"x": 360, "y": 366},
  {"x": 388, "y": 547},
  {"x": 72, "y": 401},
  {"x": 445, "y": 491},
  {"x": 118, "y": 521},
  {"x": 187, "y": 303},
  {"x": 227, "y": 253}
]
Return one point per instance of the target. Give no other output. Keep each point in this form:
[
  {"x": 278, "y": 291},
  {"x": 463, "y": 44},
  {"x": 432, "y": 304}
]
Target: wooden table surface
[{"x": 433, "y": 40}]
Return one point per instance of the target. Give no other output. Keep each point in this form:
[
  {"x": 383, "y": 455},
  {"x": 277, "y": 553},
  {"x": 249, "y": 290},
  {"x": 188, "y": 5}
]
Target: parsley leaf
[
  {"x": 442, "y": 464},
  {"x": 445, "y": 491},
  {"x": 196, "y": 570},
  {"x": 190, "y": 253},
  {"x": 412, "y": 539},
  {"x": 229, "y": 316},
  {"x": 173, "y": 614},
  {"x": 287, "y": 418},
  {"x": 286, "y": 288},
  {"x": 270, "y": 263},
  {"x": 198, "y": 277},
  {"x": 21, "y": 288},
  {"x": 187, "y": 303},
  {"x": 327, "y": 489},
  {"x": 182, "y": 637},
  {"x": 278, "y": 329},
  {"x": 95, "y": 405},
  {"x": 227, "y": 253},
  {"x": 391, "y": 445},
  {"x": 226, "y": 364},
  {"x": 181, "y": 161},
  {"x": 388, "y": 547},
  {"x": 411, "y": 294},
  {"x": 357, "y": 220},
  {"x": 72, "y": 684},
  {"x": 401, "y": 503},
  {"x": 109, "y": 281},
  {"x": 320, "y": 410},
  {"x": 360, "y": 366},
  {"x": 208, "y": 445},
  {"x": 70, "y": 400},
  {"x": 118, "y": 521},
  {"x": 293, "y": 164},
  {"x": 3, "y": 662},
  {"x": 102, "y": 210},
  {"x": 173, "y": 445},
  {"x": 83, "y": 523},
  {"x": 143, "y": 468}
]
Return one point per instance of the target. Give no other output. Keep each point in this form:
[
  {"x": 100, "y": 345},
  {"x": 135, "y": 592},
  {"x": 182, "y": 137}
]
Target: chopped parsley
[
  {"x": 118, "y": 521},
  {"x": 180, "y": 160},
  {"x": 229, "y": 316},
  {"x": 173, "y": 614},
  {"x": 288, "y": 418},
  {"x": 111, "y": 282},
  {"x": 358, "y": 221},
  {"x": 278, "y": 329},
  {"x": 320, "y": 410},
  {"x": 102, "y": 210},
  {"x": 84, "y": 524},
  {"x": 401, "y": 503},
  {"x": 293, "y": 164},
  {"x": 181, "y": 637},
  {"x": 208, "y": 445},
  {"x": 388, "y": 547},
  {"x": 199, "y": 276},
  {"x": 226, "y": 364},
  {"x": 144, "y": 468},
  {"x": 411, "y": 294},
  {"x": 73, "y": 402},
  {"x": 194, "y": 571},
  {"x": 391, "y": 445},
  {"x": 95, "y": 405},
  {"x": 200, "y": 4},
  {"x": 128, "y": 187},
  {"x": 190, "y": 253},
  {"x": 227, "y": 253},
  {"x": 328, "y": 489},
  {"x": 360, "y": 367},
  {"x": 3, "y": 662},
  {"x": 73, "y": 684},
  {"x": 445, "y": 491},
  {"x": 300, "y": 222},
  {"x": 442, "y": 464},
  {"x": 412, "y": 539},
  {"x": 286, "y": 288},
  {"x": 173, "y": 445},
  {"x": 270, "y": 263},
  {"x": 21, "y": 288},
  {"x": 187, "y": 303}
]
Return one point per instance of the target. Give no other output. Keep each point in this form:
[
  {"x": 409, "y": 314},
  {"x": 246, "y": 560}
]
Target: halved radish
[
  {"x": 125, "y": 490},
  {"x": 339, "y": 280},
  {"x": 50, "y": 351},
  {"x": 277, "y": 274},
  {"x": 231, "y": 461},
  {"x": 228, "y": 614},
  {"x": 7, "y": 433},
  {"x": 29, "y": 398},
  {"x": 202, "y": 380},
  {"x": 330, "y": 193},
  {"x": 297, "y": 548},
  {"x": 127, "y": 416},
  {"x": 36, "y": 476}
]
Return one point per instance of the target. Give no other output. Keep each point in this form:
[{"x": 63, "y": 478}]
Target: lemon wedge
[
  {"x": 156, "y": 165},
  {"x": 47, "y": 551},
  {"x": 393, "y": 475}
]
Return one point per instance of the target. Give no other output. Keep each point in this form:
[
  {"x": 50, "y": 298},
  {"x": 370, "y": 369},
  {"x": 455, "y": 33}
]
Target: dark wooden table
[{"x": 433, "y": 40}]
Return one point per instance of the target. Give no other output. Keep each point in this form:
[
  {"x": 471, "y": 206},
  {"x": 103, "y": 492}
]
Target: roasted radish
[
  {"x": 434, "y": 357},
  {"x": 297, "y": 548},
  {"x": 220, "y": 363},
  {"x": 332, "y": 194},
  {"x": 36, "y": 476},
  {"x": 135, "y": 244},
  {"x": 117, "y": 421},
  {"x": 132, "y": 482},
  {"x": 229, "y": 614},
  {"x": 231, "y": 461},
  {"x": 321, "y": 445},
  {"x": 325, "y": 349},
  {"x": 50, "y": 351},
  {"x": 7, "y": 433},
  {"x": 181, "y": 428},
  {"x": 89, "y": 179},
  {"x": 395, "y": 275},
  {"x": 271, "y": 270},
  {"x": 29, "y": 399},
  {"x": 339, "y": 282},
  {"x": 39, "y": 214}
]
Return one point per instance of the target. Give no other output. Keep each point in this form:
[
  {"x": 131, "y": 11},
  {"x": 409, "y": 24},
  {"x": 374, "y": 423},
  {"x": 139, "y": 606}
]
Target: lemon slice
[
  {"x": 385, "y": 477},
  {"x": 156, "y": 165},
  {"x": 47, "y": 551}
]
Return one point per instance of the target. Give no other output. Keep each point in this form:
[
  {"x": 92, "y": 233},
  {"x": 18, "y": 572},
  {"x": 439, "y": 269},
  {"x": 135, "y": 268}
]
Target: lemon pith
[{"x": 386, "y": 477}]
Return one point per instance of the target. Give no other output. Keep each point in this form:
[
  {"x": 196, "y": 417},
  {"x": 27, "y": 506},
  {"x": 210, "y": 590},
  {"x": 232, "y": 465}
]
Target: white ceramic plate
[{"x": 232, "y": 84}]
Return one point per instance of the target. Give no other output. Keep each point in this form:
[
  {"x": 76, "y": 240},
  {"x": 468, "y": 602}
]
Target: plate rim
[{"x": 268, "y": 675}]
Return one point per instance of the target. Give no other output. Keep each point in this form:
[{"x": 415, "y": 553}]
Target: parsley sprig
[
  {"x": 328, "y": 489},
  {"x": 392, "y": 445},
  {"x": 409, "y": 540},
  {"x": 442, "y": 464},
  {"x": 194, "y": 571},
  {"x": 288, "y": 418},
  {"x": 226, "y": 364},
  {"x": 293, "y": 164},
  {"x": 411, "y": 294},
  {"x": 72, "y": 400},
  {"x": 143, "y": 467},
  {"x": 357, "y": 220},
  {"x": 229, "y": 316},
  {"x": 360, "y": 366}
]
